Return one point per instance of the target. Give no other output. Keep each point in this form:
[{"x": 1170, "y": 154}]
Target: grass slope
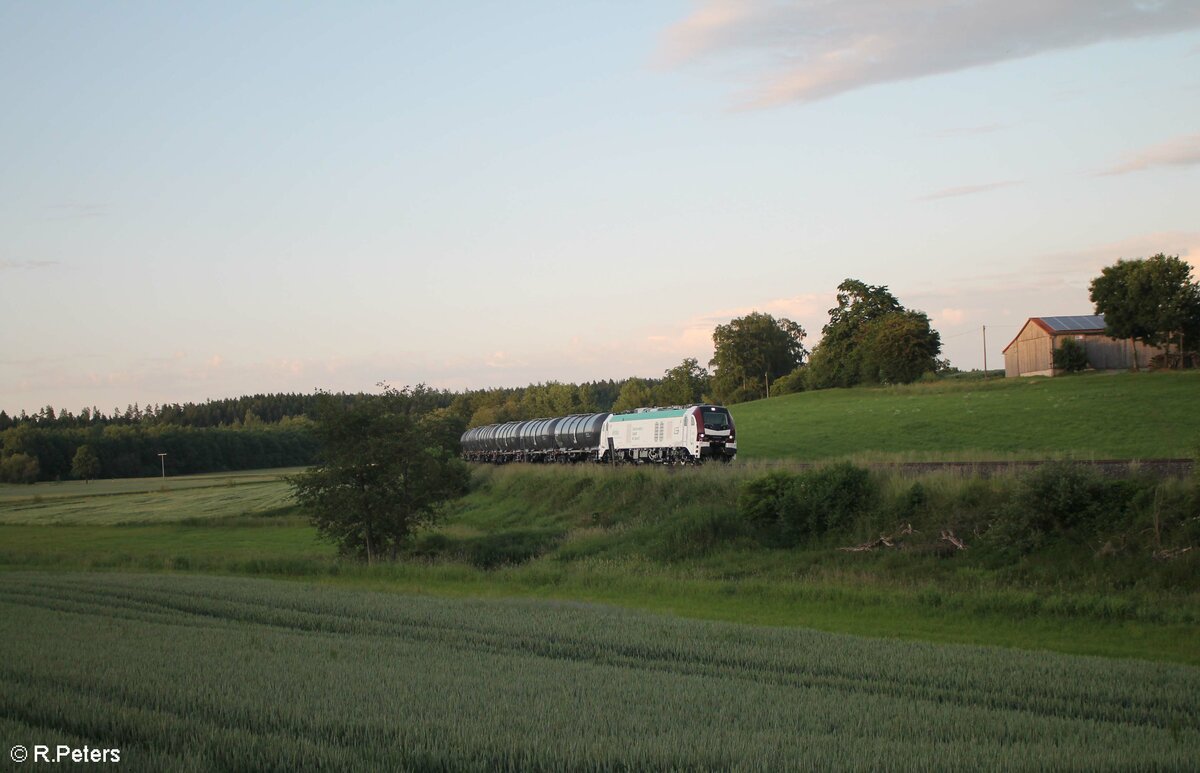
[
  {"x": 652, "y": 539},
  {"x": 1116, "y": 416},
  {"x": 209, "y": 673}
]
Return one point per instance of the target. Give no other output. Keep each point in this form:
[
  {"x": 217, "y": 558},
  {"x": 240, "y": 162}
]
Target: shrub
[
  {"x": 827, "y": 500},
  {"x": 1070, "y": 356},
  {"x": 19, "y": 468},
  {"x": 793, "y": 508},
  {"x": 1057, "y": 500},
  {"x": 789, "y": 384},
  {"x": 509, "y": 547},
  {"x": 762, "y": 500},
  {"x": 914, "y": 501}
]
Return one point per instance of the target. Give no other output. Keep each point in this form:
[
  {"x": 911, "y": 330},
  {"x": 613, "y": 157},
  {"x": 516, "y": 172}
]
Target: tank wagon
[{"x": 674, "y": 435}]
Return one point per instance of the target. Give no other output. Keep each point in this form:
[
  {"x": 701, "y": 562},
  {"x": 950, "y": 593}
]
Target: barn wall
[
  {"x": 1012, "y": 367},
  {"x": 1106, "y": 353},
  {"x": 1030, "y": 353}
]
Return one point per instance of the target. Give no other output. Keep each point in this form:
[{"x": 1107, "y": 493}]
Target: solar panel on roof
[{"x": 1068, "y": 324}]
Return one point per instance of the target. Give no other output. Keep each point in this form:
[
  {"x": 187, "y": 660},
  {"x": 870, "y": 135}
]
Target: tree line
[
  {"x": 29, "y": 453},
  {"x": 230, "y": 412}
]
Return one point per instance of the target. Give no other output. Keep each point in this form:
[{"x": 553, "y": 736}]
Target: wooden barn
[{"x": 1031, "y": 352}]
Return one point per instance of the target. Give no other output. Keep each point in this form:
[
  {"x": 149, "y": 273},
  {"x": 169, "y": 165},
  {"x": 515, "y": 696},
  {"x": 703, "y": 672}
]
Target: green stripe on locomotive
[{"x": 667, "y": 413}]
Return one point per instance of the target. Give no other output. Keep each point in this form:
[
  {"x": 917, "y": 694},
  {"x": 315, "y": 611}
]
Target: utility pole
[
  {"x": 163, "y": 458},
  {"x": 985, "y": 373}
]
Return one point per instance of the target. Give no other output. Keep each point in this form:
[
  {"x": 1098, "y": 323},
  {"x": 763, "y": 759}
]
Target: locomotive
[{"x": 675, "y": 435}]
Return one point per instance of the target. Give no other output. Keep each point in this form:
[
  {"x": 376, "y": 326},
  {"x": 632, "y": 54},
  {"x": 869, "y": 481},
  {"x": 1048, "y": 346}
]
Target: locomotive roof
[{"x": 661, "y": 413}]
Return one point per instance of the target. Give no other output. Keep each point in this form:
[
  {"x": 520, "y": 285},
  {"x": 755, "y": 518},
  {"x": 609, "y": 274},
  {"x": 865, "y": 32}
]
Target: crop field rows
[
  {"x": 190, "y": 672},
  {"x": 147, "y": 501}
]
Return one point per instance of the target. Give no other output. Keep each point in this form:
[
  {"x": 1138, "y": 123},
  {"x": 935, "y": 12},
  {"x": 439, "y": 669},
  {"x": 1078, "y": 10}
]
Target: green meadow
[{"x": 1087, "y": 416}]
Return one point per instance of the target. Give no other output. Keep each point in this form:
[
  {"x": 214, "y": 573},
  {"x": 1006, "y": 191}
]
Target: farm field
[
  {"x": 1089, "y": 416},
  {"x": 127, "y": 501},
  {"x": 186, "y": 672}
]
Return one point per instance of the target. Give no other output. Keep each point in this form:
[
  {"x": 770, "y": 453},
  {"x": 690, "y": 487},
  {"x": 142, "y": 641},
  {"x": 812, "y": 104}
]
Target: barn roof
[
  {"x": 1085, "y": 323},
  {"x": 1088, "y": 323}
]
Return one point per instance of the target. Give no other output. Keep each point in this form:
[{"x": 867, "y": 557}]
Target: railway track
[{"x": 1112, "y": 468}]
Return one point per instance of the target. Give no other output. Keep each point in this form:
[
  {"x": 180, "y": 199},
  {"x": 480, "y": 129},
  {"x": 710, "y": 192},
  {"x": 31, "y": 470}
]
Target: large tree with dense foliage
[
  {"x": 751, "y": 352},
  {"x": 389, "y": 465},
  {"x": 872, "y": 338},
  {"x": 1152, "y": 300},
  {"x": 683, "y": 384},
  {"x": 85, "y": 464},
  {"x": 898, "y": 348},
  {"x": 837, "y": 359}
]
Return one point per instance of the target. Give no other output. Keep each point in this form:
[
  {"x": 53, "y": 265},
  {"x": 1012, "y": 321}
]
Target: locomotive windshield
[{"x": 718, "y": 420}]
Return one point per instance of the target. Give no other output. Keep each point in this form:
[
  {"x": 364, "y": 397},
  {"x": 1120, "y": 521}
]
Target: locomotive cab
[{"x": 716, "y": 436}]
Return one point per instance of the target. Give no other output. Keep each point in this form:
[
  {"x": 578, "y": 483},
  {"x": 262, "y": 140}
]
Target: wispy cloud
[
  {"x": 75, "y": 211},
  {"x": 967, "y": 190},
  {"x": 969, "y": 131},
  {"x": 1178, "y": 151},
  {"x": 502, "y": 359},
  {"x": 1185, "y": 244},
  {"x": 812, "y": 49},
  {"x": 27, "y": 265}
]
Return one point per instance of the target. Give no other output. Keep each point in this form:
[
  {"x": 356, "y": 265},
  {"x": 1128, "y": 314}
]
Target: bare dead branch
[
  {"x": 1168, "y": 553},
  {"x": 948, "y": 536},
  {"x": 884, "y": 541}
]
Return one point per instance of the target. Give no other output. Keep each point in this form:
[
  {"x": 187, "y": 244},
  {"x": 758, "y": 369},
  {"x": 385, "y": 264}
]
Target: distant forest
[{"x": 243, "y": 433}]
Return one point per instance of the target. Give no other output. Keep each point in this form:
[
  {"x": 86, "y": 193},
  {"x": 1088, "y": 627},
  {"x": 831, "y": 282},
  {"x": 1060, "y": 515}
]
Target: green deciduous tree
[
  {"x": 1152, "y": 300},
  {"x": 836, "y": 361},
  {"x": 635, "y": 393},
  {"x": 683, "y": 384},
  {"x": 19, "y": 468},
  {"x": 751, "y": 352},
  {"x": 871, "y": 337},
  {"x": 86, "y": 464},
  {"x": 390, "y": 464},
  {"x": 898, "y": 348}
]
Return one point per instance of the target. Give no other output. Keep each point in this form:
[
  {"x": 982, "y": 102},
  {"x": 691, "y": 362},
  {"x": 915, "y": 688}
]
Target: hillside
[
  {"x": 1128, "y": 415},
  {"x": 674, "y": 540}
]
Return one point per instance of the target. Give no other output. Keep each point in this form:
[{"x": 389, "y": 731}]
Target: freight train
[{"x": 675, "y": 435}]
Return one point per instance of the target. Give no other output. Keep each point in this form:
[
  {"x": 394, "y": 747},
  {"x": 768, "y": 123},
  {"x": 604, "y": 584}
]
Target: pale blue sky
[{"x": 225, "y": 198}]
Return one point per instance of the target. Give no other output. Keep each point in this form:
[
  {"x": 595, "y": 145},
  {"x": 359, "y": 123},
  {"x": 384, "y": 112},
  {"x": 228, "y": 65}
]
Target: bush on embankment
[
  {"x": 1008, "y": 517},
  {"x": 1057, "y": 519}
]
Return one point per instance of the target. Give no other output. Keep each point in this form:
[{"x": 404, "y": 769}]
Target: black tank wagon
[{"x": 562, "y": 439}]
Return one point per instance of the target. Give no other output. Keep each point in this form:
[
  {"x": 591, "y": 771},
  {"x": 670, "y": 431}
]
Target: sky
[{"x": 213, "y": 199}]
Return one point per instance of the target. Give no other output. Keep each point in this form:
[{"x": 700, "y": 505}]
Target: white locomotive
[{"x": 674, "y": 435}]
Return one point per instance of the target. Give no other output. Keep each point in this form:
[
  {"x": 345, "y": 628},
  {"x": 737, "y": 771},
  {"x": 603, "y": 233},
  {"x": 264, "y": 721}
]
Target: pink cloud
[
  {"x": 1177, "y": 151},
  {"x": 950, "y": 317},
  {"x": 967, "y": 190},
  {"x": 808, "y": 49}
]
